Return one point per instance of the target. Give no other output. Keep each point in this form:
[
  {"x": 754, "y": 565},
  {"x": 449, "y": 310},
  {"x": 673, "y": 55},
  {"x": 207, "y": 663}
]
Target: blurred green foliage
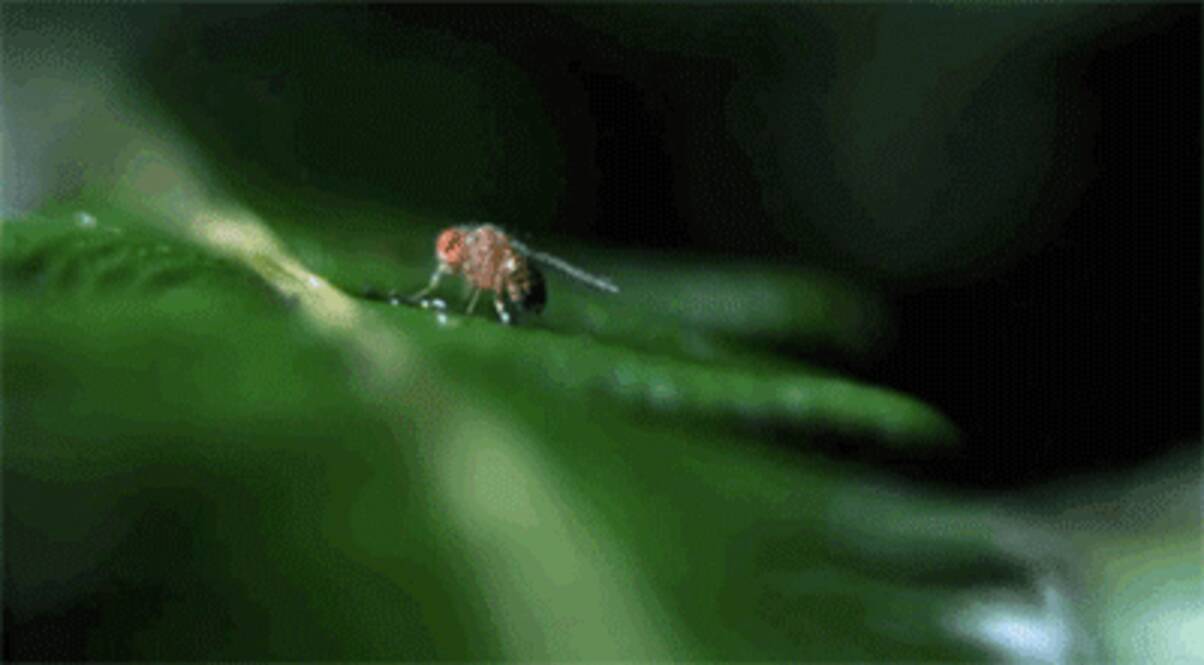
[{"x": 193, "y": 469}]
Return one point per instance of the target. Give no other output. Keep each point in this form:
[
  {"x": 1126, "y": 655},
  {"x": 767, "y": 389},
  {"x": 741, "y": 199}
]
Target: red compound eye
[{"x": 449, "y": 247}]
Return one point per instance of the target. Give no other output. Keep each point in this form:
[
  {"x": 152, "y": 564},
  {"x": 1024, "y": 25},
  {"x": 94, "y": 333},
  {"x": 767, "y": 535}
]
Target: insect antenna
[{"x": 600, "y": 283}]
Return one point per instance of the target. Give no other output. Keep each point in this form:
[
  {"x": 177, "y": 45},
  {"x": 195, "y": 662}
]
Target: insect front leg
[{"x": 435, "y": 277}]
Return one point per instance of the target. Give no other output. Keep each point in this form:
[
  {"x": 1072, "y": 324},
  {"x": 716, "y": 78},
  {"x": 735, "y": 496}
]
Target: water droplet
[
  {"x": 84, "y": 219},
  {"x": 314, "y": 282}
]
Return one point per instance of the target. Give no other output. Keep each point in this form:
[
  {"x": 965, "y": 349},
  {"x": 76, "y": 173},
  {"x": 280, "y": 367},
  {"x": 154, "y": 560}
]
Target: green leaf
[{"x": 228, "y": 457}]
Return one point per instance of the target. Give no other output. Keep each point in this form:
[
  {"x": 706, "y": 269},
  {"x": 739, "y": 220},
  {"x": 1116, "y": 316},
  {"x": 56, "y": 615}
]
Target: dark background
[{"x": 1021, "y": 182}]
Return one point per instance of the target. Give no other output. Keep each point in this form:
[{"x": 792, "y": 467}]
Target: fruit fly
[{"x": 490, "y": 260}]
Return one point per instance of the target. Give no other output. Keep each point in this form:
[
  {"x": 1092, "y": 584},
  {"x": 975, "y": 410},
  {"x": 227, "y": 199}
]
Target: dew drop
[{"x": 85, "y": 219}]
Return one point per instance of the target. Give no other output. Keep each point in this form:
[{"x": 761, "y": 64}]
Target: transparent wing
[{"x": 543, "y": 258}]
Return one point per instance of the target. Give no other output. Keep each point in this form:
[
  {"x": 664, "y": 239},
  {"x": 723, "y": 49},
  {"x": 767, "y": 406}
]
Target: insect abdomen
[{"x": 532, "y": 295}]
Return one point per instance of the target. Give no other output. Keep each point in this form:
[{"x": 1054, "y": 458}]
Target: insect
[{"x": 490, "y": 260}]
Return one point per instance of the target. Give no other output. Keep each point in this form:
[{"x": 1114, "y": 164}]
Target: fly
[{"x": 490, "y": 260}]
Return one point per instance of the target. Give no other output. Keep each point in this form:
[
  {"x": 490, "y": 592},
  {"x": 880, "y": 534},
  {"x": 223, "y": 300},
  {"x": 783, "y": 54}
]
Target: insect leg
[
  {"x": 499, "y": 304},
  {"x": 472, "y": 302},
  {"x": 435, "y": 277}
]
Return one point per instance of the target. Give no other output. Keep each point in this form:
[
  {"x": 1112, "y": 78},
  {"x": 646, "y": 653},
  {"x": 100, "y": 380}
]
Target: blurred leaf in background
[{"x": 224, "y": 440}]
